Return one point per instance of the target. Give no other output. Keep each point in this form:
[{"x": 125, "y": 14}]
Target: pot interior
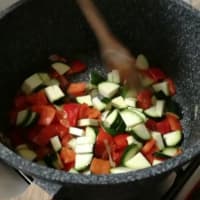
[{"x": 165, "y": 31}]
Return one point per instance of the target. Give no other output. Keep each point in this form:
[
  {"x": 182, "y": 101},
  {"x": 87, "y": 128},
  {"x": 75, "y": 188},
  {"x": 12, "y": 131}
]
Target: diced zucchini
[
  {"x": 44, "y": 77},
  {"x": 53, "y": 82},
  {"x": 173, "y": 138},
  {"x": 56, "y": 144},
  {"x": 159, "y": 140},
  {"x": 118, "y": 102},
  {"x": 84, "y": 148},
  {"x": 141, "y": 132},
  {"x": 54, "y": 93},
  {"x": 82, "y": 161},
  {"x": 162, "y": 86},
  {"x": 108, "y": 89},
  {"x": 60, "y": 68},
  {"x": 130, "y": 101},
  {"x": 168, "y": 152},
  {"x": 104, "y": 115},
  {"x": 85, "y": 99},
  {"x": 73, "y": 171},
  {"x": 131, "y": 140},
  {"x": 111, "y": 119},
  {"x": 27, "y": 153},
  {"x": 23, "y": 117},
  {"x": 90, "y": 133},
  {"x": 57, "y": 162},
  {"x": 83, "y": 140},
  {"x": 98, "y": 104},
  {"x": 137, "y": 162},
  {"x": 129, "y": 152},
  {"x": 21, "y": 146},
  {"x": 156, "y": 162},
  {"x": 130, "y": 118},
  {"x": 96, "y": 78},
  {"x": 114, "y": 76},
  {"x": 157, "y": 110},
  {"x": 32, "y": 119},
  {"x": 142, "y": 62},
  {"x": 88, "y": 122},
  {"x": 76, "y": 131},
  {"x": 139, "y": 112},
  {"x": 32, "y": 83},
  {"x": 119, "y": 170}
]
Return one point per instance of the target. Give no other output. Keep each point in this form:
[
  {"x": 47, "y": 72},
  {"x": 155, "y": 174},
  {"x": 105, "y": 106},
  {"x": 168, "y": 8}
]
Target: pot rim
[{"x": 59, "y": 176}]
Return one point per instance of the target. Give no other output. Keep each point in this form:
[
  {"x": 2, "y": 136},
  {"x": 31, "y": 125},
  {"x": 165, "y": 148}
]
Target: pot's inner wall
[{"x": 37, "y": 29}]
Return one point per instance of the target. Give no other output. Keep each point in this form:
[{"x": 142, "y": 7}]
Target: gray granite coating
[{"x": 166, "y": 31}]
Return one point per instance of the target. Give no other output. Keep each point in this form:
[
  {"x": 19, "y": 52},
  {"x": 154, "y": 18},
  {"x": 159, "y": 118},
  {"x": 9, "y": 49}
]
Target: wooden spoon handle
[
  {"x": 98, "y": 25},
  {"x": 33, "y": 192}
]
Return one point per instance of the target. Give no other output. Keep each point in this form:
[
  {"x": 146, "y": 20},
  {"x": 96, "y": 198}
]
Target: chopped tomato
[
  {"x": 121, "y": 141},
  {"x": 83, "y": 111},
  {"x": 144, "y": 99},
  {"x": 62, "y": 118},
  {"x": 76, "y": 67},
  {"x": 67, "y": 155},
  {"x": 171, "y": 86},
  {"x": 100, "y": 166},
  {"x": 66, "y": 139},
  {"x": 38, "y": 98},
  {"x": 148, "y": 146},
  {"x": 100, "y": 149},
  {"x": 72, "y": 110},
  {"x": 163, "y": 126},
  {"x": 155, "y": 73},
  {"x": 46, "y": 112},
  {"x": 45, "y": 134},
  {"x": 150, "y": 155},
  {"x": 77, "y": 89},
  {"x": 20, "y": 102},
  {"x": 174, "y": 122},
  {"x": 151, "y": 124},
  {"x": 116, "y": 156},
  {"x": 93, "y": 113},
  {"x": 68, "y": 166}
]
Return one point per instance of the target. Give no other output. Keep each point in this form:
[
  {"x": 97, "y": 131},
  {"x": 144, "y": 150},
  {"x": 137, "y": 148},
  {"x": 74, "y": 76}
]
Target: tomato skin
[
  {"x": 150, "y": 155},
  {"x": 121, "y": 141},
  {"x": 61, "y": 117},
  {"x": 171, "y": 86},
  {"x": 155, "y": 73},
  {"x": 163, "y": 126},
  {"x": 151, "y": 124},
  {"x": 100, "y": 149},
  {"x": 149, "y": 145},
  {"x": 144, "y": 99},
  {"x": 38, "y": 98},
  {"x": 20, "y": 102},
  {"x": 174, "y": 122},
  {"x": 72, "y": 110},
  {"x": 65, "y": 140},
  {"x": 46, "y": 112},
  {"x": 83, "y": 111},
  {"x": 76, "y": 67},
  {"x": 67, "y": 155},
  {"x": 68, "y": 166}
]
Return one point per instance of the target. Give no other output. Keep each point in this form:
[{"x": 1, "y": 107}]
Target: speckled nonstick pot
[{"x": 167, "y": 31}]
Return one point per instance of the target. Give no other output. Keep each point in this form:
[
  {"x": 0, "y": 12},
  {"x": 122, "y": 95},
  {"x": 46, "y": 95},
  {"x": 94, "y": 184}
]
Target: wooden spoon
[{"x": 113, "y": 53}]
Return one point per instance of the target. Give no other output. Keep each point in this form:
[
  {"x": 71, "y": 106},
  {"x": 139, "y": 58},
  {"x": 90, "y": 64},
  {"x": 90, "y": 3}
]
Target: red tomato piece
[
  {"x": 151, "y": 124},
  {"x": 121, "y": 141},
  {"x": 46, "y": 112},
  {"x": 66, "y": 139},
  {"x": 83, "y": 111},
  {"x": 72, "y": 110},
  {"x": 100, "y": 149},
  {"x": 150, "y": 155},
  {"x": 174, "y": 122},
  {"x": 68, "y": 166},
  {"x": 38, "y": 98},
  {"x": 116, "y": 156},
  {"x": 61, "y": 117},
  {"x": 148, "y": 146},
  {"x": 20, "y": 102},
  {"x": 77, "y": 89},
  {"x": 163, "y": 126},
  {"x": 45, "y": 134},
  {"x": 171, "y": 86},
  {"x": 77, "y": 67},
  {"x": 156, "y": 74},
  {"x": 93, "y": 113},
  {"x": 144, "y": 99},
  {"x": 67, "y": 155},
  {"x": 42, "y": 152}
]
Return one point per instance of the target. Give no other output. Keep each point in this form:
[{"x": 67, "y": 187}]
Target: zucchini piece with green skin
[
  {"x": 108, "y": 89},
  {"x": 142, "y": 62},
  {"x": 91, "y": 134},
  {"x": 98, "y": 104},
  {"x": 119, "y": 102},
  {"x": 168, "y": 152},
  {"x": 130, "y": 118},
  {"x": 56, "y": 144},
  {"x": 23, "y": 117},
  {"x": 60, "y": 67},
  {"x": 141, "y": 133},
  {"x": 137, "y": 162},
  {"x": 27, "y": 153},
  {"x": 96, "y": 78},
  {"x": 159, "y": 139},
  {"x": 172, "y": 139},
  {"x": 85, "y": 99},
  {"x": 139, "y": 112},
  {"x": 113, "y": 76},
  {"x": 162, "y": 86},
  {"x": 82, "y": 161},
  {"x": 111, "y": 119},
  {"x": 32, "y": 119},
  {"x": 173, "y": 107},
  {"x": 129, "y": 152},
  {"x": 119, "y": 170}
]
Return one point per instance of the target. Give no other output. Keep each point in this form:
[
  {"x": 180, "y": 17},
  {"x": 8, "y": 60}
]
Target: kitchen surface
[{"x": 12, "y": 183}]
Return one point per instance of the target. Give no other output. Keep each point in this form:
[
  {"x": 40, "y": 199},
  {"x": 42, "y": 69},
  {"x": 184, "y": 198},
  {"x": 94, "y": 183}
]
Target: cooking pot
[{"x": 166, "y": 31}]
